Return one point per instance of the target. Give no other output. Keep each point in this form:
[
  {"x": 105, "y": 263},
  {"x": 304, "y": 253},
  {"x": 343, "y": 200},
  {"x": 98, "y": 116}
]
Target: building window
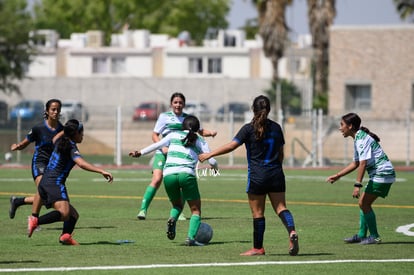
[
  {"x": 99, "y": 65},
  {"x": 196, "y": 65},
  {"x": 118, "y": 65},
  {"x": 200, "y": 65},
  {"x": 358, "y": 97},
  {"x": 214, "y": 65}
]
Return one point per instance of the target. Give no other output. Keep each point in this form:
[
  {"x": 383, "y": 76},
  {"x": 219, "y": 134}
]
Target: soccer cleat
[
  {"x": 192, "y": 242},
  {"x": 171, "y": 228},
  {"x": 353, "y": 239},
  {"x": 293, "y": 244},
  {"x": 31, "y": 225},
  {"x": 142, "y": 215},
  {"x": 370, "y": 240},
  {"x": 13, "y": 207},
  {"x": 181, "y": 217},
  {"x": 66, "y": 239},
  {"x": 254, "y": 252}
]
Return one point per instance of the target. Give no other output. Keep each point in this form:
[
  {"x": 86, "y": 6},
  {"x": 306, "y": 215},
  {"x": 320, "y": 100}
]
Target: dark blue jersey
[
  {"x": 60, "y": 165},
  {"x": 262, "y": 156},
  {"x": 42, "y": 135}
]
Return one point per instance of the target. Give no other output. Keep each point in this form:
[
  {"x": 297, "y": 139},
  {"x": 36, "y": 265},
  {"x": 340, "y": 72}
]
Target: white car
[
  {"x": 73, "y": 109},
  {"x": 198, "y": 109}
]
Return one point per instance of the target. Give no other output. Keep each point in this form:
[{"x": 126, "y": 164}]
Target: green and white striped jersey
[
  {"x": 180, "y": 159},
  {"x": 379, "y": 167}
]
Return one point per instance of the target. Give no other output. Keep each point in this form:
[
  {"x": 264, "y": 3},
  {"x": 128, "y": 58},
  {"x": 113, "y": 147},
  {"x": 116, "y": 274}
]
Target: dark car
[
  {"x": 239, "y": 110},
  {"x": 28, "y": 110},
  {"x": 148, "y": 111}
]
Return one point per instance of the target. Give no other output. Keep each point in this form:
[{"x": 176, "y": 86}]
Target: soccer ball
[{"x": 204, "y": 233}]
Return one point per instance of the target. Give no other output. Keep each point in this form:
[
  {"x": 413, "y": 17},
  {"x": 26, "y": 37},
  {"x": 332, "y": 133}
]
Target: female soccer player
[
  {"x": 180, "y": 179},
  {"x": 167, "y": 122},
  {"x": 52, "y": 188},
  {"x": 264, "y": 142},
  {"x": 42, "y": 134},
  {"x": 368, "y": 156}
]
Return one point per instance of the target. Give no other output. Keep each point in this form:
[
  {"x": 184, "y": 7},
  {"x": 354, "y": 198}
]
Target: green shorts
[
  {"x": 159, "y": 161},
  {"x": 378, "y": 189},
  {"x": 181, "y": 183}
]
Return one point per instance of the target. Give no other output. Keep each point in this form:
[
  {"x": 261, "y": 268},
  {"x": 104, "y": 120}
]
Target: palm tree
[
  {"x": 273, "y": 30},
  {"x": 321, "y": 14},
  {"x": 405, "y": 8}
]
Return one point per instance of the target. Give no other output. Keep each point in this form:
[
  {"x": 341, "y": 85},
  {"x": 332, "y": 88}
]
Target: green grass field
[{"x": 324, "y": 215}]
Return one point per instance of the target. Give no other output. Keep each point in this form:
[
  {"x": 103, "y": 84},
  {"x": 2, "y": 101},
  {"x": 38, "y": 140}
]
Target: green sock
[
  {"x": 148, "y": 196},
  {"x": 372, "y": 223},
  {"x": 195, "y": 221},
  {"x": 175, "y": 212},
  {"x": 362, "y": 225}
]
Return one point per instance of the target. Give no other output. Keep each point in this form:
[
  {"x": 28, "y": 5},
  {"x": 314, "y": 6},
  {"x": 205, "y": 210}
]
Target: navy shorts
[
  {"x": 51, "y": 193},
  {"x": 262, "y": 186}
]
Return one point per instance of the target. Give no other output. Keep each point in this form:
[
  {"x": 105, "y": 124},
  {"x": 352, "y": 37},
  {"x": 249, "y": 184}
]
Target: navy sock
[
  {"x": 259, "y": 227},
  {"x": 287, "y": 220},
  {"x": 51, "y": 217}
]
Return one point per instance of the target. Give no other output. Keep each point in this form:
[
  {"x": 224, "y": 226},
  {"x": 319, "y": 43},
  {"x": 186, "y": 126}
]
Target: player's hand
[
  {"x": 202, "y": 157},
  {"x": 108, "y": 176},
  {"x": 332, "y": 179},
  {"x": 135, "y": 154},
  {"x": 355, "y": 193}
]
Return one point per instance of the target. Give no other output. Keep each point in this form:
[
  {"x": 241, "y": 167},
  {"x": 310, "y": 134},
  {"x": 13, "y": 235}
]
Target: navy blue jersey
[
  {"x": 60, "y": 165},
  {"x": 42, "y": 135},
  {"x": 262, "y": 156}
]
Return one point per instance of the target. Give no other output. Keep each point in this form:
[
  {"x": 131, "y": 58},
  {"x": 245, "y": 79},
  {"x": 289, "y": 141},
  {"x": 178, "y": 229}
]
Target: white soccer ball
[
  {"x": 8, "y": 156},
  {"x": 204, "y": 233}
]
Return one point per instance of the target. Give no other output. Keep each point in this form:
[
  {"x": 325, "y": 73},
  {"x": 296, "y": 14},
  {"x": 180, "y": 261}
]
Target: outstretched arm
[
  {"x": 92, "y": 168},
  {"x": 231, "y": 146},
  {"x": 351, "y": 167},
  {"x": 21, "y": 145}
]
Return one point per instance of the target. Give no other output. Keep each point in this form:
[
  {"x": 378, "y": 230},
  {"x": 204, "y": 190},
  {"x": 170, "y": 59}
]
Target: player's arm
[
  {"x": 224, "y": 149},
  {"x": 21, "y": 145},
  {"x": 165, "y": 142},
  {"x": 207, "y": 133},
  {"x": 348, "y": 169},
  {"x": 92, "y": 168}
]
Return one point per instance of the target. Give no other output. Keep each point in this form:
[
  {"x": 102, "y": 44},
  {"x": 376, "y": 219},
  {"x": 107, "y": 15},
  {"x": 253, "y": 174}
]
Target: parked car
[
  {"x": 198, "y": 109},
  {"x": 28, "y": 110},
  {"x": 73, "y": 109},
  {"x": 239, "y": 110},
  {"x": 148, "y": 111}
]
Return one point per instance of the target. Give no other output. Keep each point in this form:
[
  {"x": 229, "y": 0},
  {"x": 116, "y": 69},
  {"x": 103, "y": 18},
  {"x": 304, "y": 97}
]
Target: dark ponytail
[
  {"x": 261, "y": 108},
  {"x": 366, "y": 130},
  {"x": 71, "y": 128},
  {"x": 192, "y": 124}
]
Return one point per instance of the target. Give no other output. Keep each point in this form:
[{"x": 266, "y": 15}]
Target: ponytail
[
  {"x": 71, "y": 128},
  {"x": 366, "y": 130},
  {"x": 192, "y": 124}
]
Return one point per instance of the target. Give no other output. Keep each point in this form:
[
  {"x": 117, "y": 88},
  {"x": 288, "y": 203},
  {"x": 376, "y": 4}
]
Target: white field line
[{"x": 123, "y": 267}]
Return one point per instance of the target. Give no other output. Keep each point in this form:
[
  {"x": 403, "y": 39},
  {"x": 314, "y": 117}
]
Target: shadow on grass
[
  {"x": 109, "y": 243},
  {"x": 81, "y": 227},
  {"x": 18, "y": 262}
]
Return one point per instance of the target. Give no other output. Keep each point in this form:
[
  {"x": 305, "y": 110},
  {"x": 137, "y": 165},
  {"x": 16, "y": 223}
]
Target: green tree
[
  {"x": 15, "y": 49},
  {"x": 405, "y": 8},
  {"x": 321, "y": 14},
  {"x": 111, "y": 16},
  {"x": 291, "y": 102}
]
